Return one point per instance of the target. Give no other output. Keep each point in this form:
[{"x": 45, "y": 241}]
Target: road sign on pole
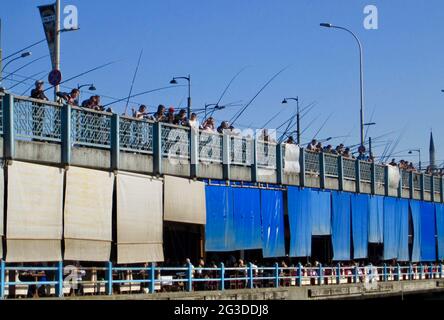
[{"x": 55, "y": 77}]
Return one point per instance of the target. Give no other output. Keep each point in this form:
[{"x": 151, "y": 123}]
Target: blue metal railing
[
  {"x": 331, "y": 165},
  {"x": 136, "y": 135},
  {"x": 175, "y": 141},
  {"x": 350, "y": 169},
  {"x": 91, "y": 128},
  {"x": 210, "y": 147},
  {"x": 60, "y": 280},
  {"x": 241, "y": 151}
]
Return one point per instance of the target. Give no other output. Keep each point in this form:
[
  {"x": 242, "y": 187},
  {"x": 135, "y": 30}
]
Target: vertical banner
[{"x": 48, "y": 15}]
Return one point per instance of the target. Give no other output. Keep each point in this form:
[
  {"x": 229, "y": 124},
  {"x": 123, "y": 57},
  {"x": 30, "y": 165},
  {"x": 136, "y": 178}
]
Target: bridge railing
[
  {"x": 28, "y": 119},
  {"x": 60, "y": 280}
]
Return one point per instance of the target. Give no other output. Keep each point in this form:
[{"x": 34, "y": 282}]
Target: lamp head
[
  {"x": 284, "y": 101},
  {"x": 92, "y": 88},
  {"x": 173, "y": 81},
  {"x": 326, "y": 25},
  {"x": 25, "y": 54}
]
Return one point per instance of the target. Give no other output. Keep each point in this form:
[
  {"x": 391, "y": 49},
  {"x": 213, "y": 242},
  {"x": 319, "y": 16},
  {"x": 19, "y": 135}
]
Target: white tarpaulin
[
  {"x": 34, "y": 216},
  {"x": 291, "y": 159},
  {"x": 88, "y": 214},
  {"x": 139, "y": 219},
  {"x": 2, "y": 193},
  {"x": 184, "y": 201},
  {"x": 394, "y": 177}
]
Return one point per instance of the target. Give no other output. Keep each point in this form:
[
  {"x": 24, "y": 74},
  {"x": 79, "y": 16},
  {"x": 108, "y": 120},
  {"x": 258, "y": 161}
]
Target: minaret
[{"x": 432, "y": 153}]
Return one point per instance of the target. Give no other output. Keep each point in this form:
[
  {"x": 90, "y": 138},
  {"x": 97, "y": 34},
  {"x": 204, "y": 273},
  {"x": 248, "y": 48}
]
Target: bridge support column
[
  {"x": 386, "y": 181},
  {"x": 432, "y": 189},
  {"x": 411, "y": 186},
  {"x": 157, "y": 148},
  {"x": 322, "y": 170},
  {"x": 302, "y": 168},
  {"x": 8, "y": 127},
  {"x": 341, "y": 173},
  {"x": 358, "y": 176},
  {"x": 115, "y": 142},
  {"x": 226, "y": 157},
  {"x": 373, "y": 178},
  {"x": 422, "y": 186},
  {"x": 109, "y": 278},
  {"x": 254, "y": 162},
  {"x": 280, "y": 163},
  {"x": 194, "y": 155},
  {"x": 66, "y": 135}
]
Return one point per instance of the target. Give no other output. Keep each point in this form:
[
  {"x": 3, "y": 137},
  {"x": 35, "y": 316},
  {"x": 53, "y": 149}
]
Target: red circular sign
[{"x": 55, "y": 77}]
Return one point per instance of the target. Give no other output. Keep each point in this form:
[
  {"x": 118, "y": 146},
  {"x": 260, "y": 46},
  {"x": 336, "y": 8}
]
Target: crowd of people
[{"x": 340, "y": 150}]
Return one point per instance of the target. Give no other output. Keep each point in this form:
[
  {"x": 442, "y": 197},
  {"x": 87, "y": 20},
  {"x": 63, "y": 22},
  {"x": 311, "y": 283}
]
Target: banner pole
[{"x": 57, "y": 46}]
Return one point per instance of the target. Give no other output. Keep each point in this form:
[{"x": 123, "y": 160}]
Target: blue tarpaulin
[
  {"x": 341, "y": 226},
  {"x": 320, "y": 209},
  {"x": 403, "y": 229},
  {"x": 390, "y": 231},
  {"x": 299, "y": 215},
  {"x": 415, "y": 209},
  {"x": 428, "y": 242},
  {"x": 272, "y": 210},
  {"x": 376, "y": 219},
  {"x": 219, "y": 228},
  {"x": 360, "y": 209},
  {"x": 247, "y": 218},
  {"x": 439, "y": 208}
]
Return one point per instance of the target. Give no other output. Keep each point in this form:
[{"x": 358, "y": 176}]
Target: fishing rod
[
  {"x": 368, "y": 127},
  {"x": 233, "y": 121},
  {"x": 323, "y": 125},
  {"x": 23, "y": 67},
  {"x": 229, "y": 85},
  {"x": 28, "y": 47},
  {"x": 83, "y": 73},
  {"x": 292, "y": 118},
  {"x": 143, "y": 93},
  {"x": 134, "y": 79},
  {"x": 28, "y": 78}
]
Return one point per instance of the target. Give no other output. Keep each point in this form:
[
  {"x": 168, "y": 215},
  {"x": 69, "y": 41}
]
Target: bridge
[{"x": 99, "y": 188}]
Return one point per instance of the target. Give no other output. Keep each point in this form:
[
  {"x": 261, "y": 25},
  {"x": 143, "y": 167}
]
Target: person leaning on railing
[{"x": 38, "y": 111}]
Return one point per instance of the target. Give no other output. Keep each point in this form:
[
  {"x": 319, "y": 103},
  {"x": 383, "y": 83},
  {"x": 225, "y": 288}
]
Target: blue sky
[{"x": 213, "y": 40}]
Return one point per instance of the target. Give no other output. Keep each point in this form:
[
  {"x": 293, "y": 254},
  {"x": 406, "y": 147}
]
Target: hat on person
[
  {"x": 38, "y": 82},
  {"x": 171, "y": 110}
]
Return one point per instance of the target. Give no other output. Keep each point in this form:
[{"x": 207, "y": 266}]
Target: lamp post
[
  {"x": 361, "y": 69},
  {"x": 419, "y": 154},
  {"x": 298, "y": 118},
  {"x": 174, "y": 81},
  {"x": 23, "y": 55}
]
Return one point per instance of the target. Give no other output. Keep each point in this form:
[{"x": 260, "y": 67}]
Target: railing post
[
  {"x": 59, "y": 286},
  {"x": 302, "y": 168},
  {"x": 157, "y": 148},
  {"x": 341, "y": 173},
  {"x": 412, "y": 186},
  {"x": 411, "y": 272},
  {"x": 322, "y": 170},
  {"x": 321, "y": 275},
  {"x": 194, "y": 152},
  {"x": 432, "y": 189},
  {"x": 300, "y": 274},
  {"x": 279, "y": 163},
  {"x": 190, "y": 277},
  {"x": 250, "y": 275},
  {"x": 422, "y": 186},
  {"x": 440, "y": 271},
  {"x": 338, "y": 274},
  {"x": 109, "y": 278},
  {"x": 226, "y": 156},
  {"x": 358, "y": 175},
  {"x": 431, "y": 270},
  {"x": 421, "y": 272},
  {"x": 441, "y": 180},
  {"x": 276, "y": 275},
  {"x": 398, "y": 272},
  {"x": 386, "y": 181},
  {"x": 8, "y": 127},
  {"x": 2, "y": 279},
  {"x": 115, "y": 142},
  {"x": 254, "y": 161},
  {"x": 373, "y": 178},
  {"x": 385, "y": 276},
  {"x": 66, "y": 134},
  {"x": 222, "y": 277},
  {"x": 152, "y": 273},
  {"x": 400, "y": 184},
  {"x": 356, "y": 273}
]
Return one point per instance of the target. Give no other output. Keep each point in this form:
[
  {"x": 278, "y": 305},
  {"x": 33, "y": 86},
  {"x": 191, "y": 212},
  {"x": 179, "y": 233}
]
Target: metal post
[
  {"x": 373, "y": 178},
  {"x": 59, "y": 287},
  {"x": 157, "y": 148},
  {"x": 302, "y": 168},
  {"x": 398, "y": 272},
  {"x": 189, "y": 97},
  {"x": 411, "y": 272},
  {"x": 358, "y": 176},
  {"x": 322, "y": 169},
  {"x": 412, "y": 186},
  {"x": 2, "y": 279},
  {"x": 152, "y": 273},
  {"x": 386, "y": 181},
  {"x": 66, "y": 134},
  {"x": 194, "y": 152},
  {"x": 422, "y": 186},
  {"x": 400, "y": 185},
  {"x": 440, "y": 270},
  {"x": 109, "y": 278},
  {"x": 226, "y": 156},
  {"x": 280, "y": 163},
  {"x": 298, "y": 123},
  {"x": 254, "y": 162},
  {"x": 338, "y": 274},
  {"x": 385, "y": 272},
  {"x": 356, "y": 271},
  {"x": 441, "y": 181},
  {"x": 300, "y": 274},
  {"x": 8, "y": 127},
  {"x": 190, "y": 277},
  {"x": 57, "y": 46},
  {"x": 321, "y": 275},
  {"x": 421, "y": 272},
  {"x": 276, "y": 275},
  {"x": 341, "y": 173},
  {"x": 115, "y": 142},
  {"x": 222, "y": 277},
  {"x": 432, "y": 189},
  {"x": 250, "y": 276}
]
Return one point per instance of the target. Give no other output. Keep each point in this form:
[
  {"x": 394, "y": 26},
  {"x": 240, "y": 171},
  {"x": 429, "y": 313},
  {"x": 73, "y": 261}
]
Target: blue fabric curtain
[
  {"x": 247, "y": 218},
  {"x": 320, "y": 211},
  {"x": 272, "y": 211},
  {"x": 341, "y": 226},
  {"x": 428, "y": 231},
  {"x": 299, "y": 215},
  {"x": 376, "y": 219},
  {"x": 415, "y": 209},
  {"x": 219, "y": 228},
  {"x": 360, "y": 210},
  {"x": 390, "y": 231},
  {"x": 403, "y": 229},
  {"x": 439, "y": 208}
]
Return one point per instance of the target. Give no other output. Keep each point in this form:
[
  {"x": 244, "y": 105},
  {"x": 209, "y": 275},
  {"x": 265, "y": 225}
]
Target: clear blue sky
[{"x": 213, "y": 40}]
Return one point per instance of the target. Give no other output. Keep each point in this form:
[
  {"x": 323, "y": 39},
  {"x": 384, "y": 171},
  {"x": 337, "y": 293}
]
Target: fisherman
[
  {"x": 159, "y": 116},
  {"x": 312, "y": 145}
]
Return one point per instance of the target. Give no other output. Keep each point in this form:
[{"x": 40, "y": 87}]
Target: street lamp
[
  {"x": 216, "y": 107},
  {"x": 91, "y": 88},
  {"x": 419, "y": 153},
  {"x": 329, "y": 25},
  {"x": 298, "y": 118},
  {"x": 370, "y": 151},
  {"x": 23, "y": 55},
  {"x": 174, "y": 81}
]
